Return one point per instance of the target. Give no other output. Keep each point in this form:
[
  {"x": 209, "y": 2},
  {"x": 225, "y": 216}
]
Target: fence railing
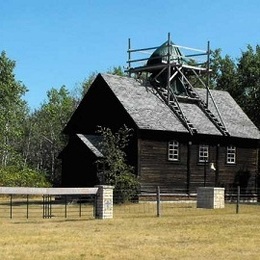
[
  {"x": 35, "y": 206},
  {"x": 157, "y": 202},
  {"x": 48, "y": 202},
  {"x": 23, "y": 200}
]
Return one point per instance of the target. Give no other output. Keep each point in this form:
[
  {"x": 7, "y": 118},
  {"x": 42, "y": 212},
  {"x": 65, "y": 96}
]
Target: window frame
[
  {"x": 231, "y": 155},
  {"x": 204, "y": 149},
  {"x": 173, "y": 151}
]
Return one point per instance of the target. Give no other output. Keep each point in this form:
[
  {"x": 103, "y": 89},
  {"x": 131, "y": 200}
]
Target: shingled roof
[{"x": 149, "y": 111}]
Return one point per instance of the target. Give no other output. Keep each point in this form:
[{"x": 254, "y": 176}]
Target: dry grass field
[{"x": 180, "y": 233}]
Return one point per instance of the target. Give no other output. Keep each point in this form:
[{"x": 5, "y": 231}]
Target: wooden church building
[{"x": 185, "y": 135}]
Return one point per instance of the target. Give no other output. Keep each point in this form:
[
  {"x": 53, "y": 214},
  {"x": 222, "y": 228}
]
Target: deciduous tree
[
  {"x": 241, "y": 78},
  {"x": 44, "y": 129},
  {"x": 13, "y": 111},
  {"x": 116, "y": 171}
]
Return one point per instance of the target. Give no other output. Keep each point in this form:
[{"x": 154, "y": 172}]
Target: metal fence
[
  {"x": 33, "y": 206},
  {"x": 158, "y": 204},
  {"x": 30, "y": 202},
  {"x": 161, "y": 203}
]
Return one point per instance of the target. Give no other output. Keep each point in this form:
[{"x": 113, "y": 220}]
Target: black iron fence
[
  {"x": 33, "y": 206},
  {"x": 156, "y": 202}
]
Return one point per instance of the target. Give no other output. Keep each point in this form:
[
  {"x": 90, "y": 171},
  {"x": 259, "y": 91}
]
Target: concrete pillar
[
  {"x": 211, "y": 197},
  {"x": 104, "y": 202}
]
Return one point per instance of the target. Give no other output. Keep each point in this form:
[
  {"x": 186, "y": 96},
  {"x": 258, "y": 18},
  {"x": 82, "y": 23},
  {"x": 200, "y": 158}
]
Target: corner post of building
[
  {"x": 104, "y": 202},
  {"x": 217, "y": 165},
  {"x": 189, "y": 144}
]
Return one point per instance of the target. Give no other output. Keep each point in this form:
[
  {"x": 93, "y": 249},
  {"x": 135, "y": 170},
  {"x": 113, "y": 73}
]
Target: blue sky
[{"x": 61, "y": 42}]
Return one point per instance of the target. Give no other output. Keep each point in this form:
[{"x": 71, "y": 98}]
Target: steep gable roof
[
  {"x": 143, "y": 105},
  {"x": 150, "y": 112},
  {"x": 235, "y": 119}
]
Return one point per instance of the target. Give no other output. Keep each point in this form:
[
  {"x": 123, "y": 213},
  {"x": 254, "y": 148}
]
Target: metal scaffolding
[{"x": 175, "y": 77}]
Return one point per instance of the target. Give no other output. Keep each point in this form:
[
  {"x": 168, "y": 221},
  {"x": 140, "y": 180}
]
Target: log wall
[{"x": 156, "y": 170}]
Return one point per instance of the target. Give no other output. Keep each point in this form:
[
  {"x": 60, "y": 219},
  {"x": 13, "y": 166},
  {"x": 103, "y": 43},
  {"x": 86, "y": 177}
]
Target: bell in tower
[{"x": 167, "y": 53}]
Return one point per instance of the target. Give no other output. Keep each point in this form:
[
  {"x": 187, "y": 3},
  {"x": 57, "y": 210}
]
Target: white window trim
[
  {"x": 203, "y": 153},
  {"x": 231, "y": 155},
  {"x": 173, "y": 151}
]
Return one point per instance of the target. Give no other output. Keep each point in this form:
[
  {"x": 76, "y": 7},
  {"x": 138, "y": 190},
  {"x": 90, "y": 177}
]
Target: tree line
[{"x": 30, "y": 141}]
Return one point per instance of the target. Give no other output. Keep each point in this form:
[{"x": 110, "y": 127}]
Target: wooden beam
[{"x": 47, "y": 191}]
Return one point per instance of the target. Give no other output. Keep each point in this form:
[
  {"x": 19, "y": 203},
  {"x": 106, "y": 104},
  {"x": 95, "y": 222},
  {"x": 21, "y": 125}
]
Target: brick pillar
[{"x": 104, "y": 202}]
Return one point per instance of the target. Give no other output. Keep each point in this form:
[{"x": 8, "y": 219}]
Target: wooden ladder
[
  {"x": 173, "y": 103},
  {"x": 218, "y": 123}
]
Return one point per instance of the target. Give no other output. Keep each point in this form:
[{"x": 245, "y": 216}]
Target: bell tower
[{"x": 175, "y": 72}]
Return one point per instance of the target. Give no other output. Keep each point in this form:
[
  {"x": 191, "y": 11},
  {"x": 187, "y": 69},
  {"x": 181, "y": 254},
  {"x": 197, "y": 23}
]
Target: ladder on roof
[
  {"x": 164, "y": 90},
  {"x": 204, "y": 107},
  {"x": 218, "y": 122},
  {"x": 170, "y": 99}
]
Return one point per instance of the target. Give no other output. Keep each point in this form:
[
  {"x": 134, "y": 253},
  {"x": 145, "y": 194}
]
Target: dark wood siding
[
  {"x": 242, "y": 173},
  {"x": 156, "y": 170},
  {"x": 78, "y": 165},
  {"x": 187, "y": 174},
  {"x": 201, "y": 175}
]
